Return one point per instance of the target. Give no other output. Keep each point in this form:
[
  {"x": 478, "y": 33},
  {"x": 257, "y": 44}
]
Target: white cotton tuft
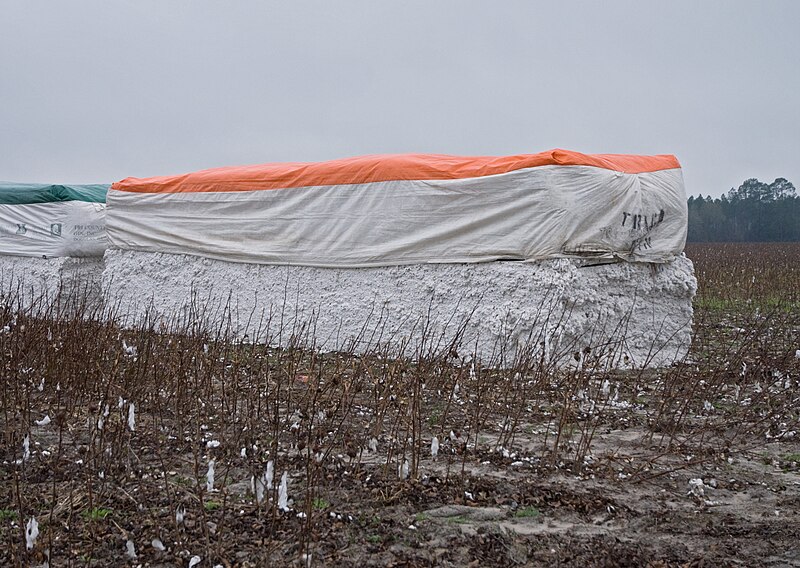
[
  {"x": 130, "y": 549},
  {"x": 269, "y": 474},
  {"x": 696, "y": 487},
  {"x": 373, "y": 445},
  {"x": 158, "y": 545},
  {"x": 260, "y": 485},
  {"x": 101, "y": 421},
  {"x": 132, "y": 417},
  {"x": 40, "y": 388},
  {"x": 402, "y": 471},
  {"x": 194, "y": 561},
  {"x": 26, "y": 447},
  {"x": 257, "y": 484},
  {"x": 212, "y": 444},
  {"x": 606, "y": 388},
  {"x": 31, "y": 533},
  {"x": 283, "y": 493},
  {"x": 243, "y": 452},
  {"x": 44, "y": 421},
  {"x": 129, "y": 350},
  {"x": 434, "y": 446},
  {"x": 180, "y": 514},
  {"x": 210, "y": 476}
]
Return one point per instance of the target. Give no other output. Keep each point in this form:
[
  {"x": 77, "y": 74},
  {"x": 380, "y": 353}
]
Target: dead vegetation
[{"x": 142, "y": 447}]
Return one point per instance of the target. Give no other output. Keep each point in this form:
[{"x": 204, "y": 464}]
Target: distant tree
[
  {"x": 757, "y": 190},
  {"x": 782, "y": 189},
  {"x": 750, "y": 189},
  {"x": 755, "y": 211}
]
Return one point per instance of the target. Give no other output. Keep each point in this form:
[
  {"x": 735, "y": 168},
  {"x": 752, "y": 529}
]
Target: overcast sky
[{"x": 95, "y": 91}]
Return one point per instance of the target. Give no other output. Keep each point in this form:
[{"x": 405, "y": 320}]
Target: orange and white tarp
[{"x": 410, "y": 209}]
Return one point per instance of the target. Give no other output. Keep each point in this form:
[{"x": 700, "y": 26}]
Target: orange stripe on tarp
[{"x": 393, "y": 167}]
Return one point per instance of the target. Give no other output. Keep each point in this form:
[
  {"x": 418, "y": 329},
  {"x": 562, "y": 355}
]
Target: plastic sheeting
[
  {"x": 63, "y": 228},
  {"x": 27, "y": 193},
  {"x": 411, "y": 209}
]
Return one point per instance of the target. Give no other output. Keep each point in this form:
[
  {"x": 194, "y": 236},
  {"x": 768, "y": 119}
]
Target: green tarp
[{"x": 27, "y": 193}]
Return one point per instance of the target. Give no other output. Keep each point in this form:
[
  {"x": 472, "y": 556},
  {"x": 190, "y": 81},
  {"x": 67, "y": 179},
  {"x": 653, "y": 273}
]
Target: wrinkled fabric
[
  {"x": 62, "y": 228},
  {"x": 584, "y": 208}
]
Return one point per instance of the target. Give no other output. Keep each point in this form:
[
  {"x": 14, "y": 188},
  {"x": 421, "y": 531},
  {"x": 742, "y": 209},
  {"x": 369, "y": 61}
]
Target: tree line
[{"x": 753, "y": 212}]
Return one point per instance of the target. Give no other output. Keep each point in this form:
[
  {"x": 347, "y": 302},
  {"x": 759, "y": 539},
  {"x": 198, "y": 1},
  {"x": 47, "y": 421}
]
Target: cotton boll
[
  {"x": 158, "y": 545},
  {"x": 26, "y": 448},
  {"x": 283, "y": 493},
  {"x": 269, "y": 474},
  {"x": 258, "y": 485},
  {"x": 180, "y": 514},
  {"x": 402, "y": 471},
  {"x": 129, "y": 350},
  {"x": 696, "y": 487},
  {"x": 31, "y": 533},
  {"x": 373, "y": 445},
  {"x": 434, "y": 446},
  {"x": 43, "y": 422},
  {"x": 194, "y": 561},
  {"x": 132, "y": 417},
  {"x": 130, "y": 549},
  {"x": 210, "y": 476}
]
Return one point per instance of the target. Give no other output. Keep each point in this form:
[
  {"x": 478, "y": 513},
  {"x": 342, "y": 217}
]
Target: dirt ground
[{"x": 483, "y": 508}]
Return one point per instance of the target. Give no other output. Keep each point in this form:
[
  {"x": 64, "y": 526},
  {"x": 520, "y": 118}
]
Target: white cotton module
[{"x": 551, "y": 253}]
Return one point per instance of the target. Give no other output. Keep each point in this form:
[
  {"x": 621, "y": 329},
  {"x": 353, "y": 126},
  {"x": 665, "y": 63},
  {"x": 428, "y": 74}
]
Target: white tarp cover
[
  {"x": 411, "y": 209},
  {"x": 55, "y": 229}
]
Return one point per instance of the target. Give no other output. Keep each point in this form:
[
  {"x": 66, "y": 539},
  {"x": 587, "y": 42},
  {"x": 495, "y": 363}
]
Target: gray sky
[{"x": 99, "y": 90}]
